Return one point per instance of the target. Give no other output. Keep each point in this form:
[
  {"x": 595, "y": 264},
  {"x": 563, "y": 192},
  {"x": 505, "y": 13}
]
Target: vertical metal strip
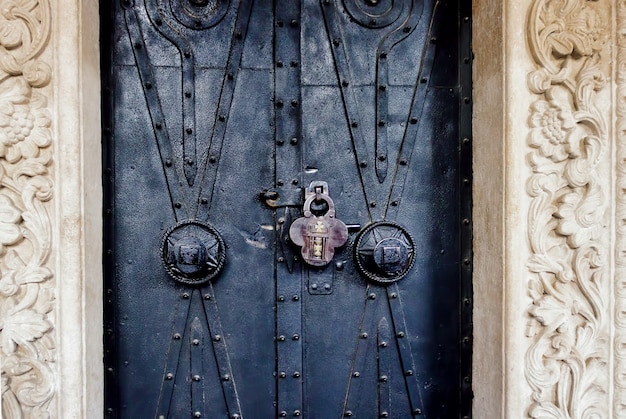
[
  {"x": 220, "y": 351},
  {"x": 179, "y": 328},
  {"x": 288, "y": 146},
  {"x": 171, "y": 171},
  {"x": 197, "y": 368},
  {"x": 210, "y": 161},
  {"x": 384, "y": 369},
  {"x": 404, "y": 349}
]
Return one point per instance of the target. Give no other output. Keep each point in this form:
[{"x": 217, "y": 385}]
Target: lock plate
[{"x": 318, "y": 233}]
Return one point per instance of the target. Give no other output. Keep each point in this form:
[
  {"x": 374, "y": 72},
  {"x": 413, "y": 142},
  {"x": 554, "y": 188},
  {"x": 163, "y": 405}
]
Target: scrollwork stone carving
[
  {"x": 27, "y": 348},
  {"x": 567, "y": 363}
]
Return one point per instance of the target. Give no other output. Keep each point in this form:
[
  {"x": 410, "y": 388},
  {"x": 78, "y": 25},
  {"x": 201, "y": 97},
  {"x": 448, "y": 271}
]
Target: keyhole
[{"x": 319, "y": 207}]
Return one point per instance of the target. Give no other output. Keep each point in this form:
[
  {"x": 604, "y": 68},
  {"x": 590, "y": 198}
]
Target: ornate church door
[{"x": 287, "y": 203}]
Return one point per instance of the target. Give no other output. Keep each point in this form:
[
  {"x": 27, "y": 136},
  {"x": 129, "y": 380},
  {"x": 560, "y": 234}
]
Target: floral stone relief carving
[
  {"x": 26, "y": 283},
  {"x": 567, "y": 362}
]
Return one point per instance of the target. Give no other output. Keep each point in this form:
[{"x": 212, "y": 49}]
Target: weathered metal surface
[{"x": 216, "y": 114}]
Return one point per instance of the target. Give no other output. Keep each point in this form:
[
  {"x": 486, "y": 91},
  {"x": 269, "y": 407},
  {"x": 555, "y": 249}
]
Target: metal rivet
[
  {"x": 190, "y": 161},
  {"x": 187, "y": 94},
  {"x": 384, "y": 414},
  {"x": 413, "y": 120},
  {"x": 382, "y": 157},
  {"x": 466, "y": 379},
  {"x": 169, "y": 376},
  {"x": 466, "y": 181},
  {"x": 381, "y": 123},
  {"x": 400, "y": 334},
  {"x": 204, "y": 200},
  {"x": 189, "y": 130},
  {"x": 466, "y": 339},
  {"x": 196, "y": 377},
  {"x": 383, "y": 378},
  {"x": 296, "y": 374},
  {"x": 384, "y": 344},
  {"x": 363, "y": 335},
  {"x": 294, "y": 103},
  {"x": 403, "y": 162},
  {"x": 185, "y": 295},
  {"x": 280, "y": 141},
  {"x": 226, "y": 377},
  {"x": 339, "y": 266},
  {"x": 372, "y": 296},
  {"x": 168, "y": 162},
  {"x": 235, "y": 416},
  {"x": 336, "y": 42},
  {"x": 466, "y": 261},
  {"x": 466, "y": 221},
  {"x": 281, "y": 259},
  {"x": 348, "y": 413},
  {"x": 433, "y": 40},
  {"x": 293, "y": 63},
  {"x": 279, "y": 23},
  {"x": 279, "y": 64},
  {"x": 238, "y": 35},
  {"x": 282, "y": 414},
  {"x": 279, "y": 103},
  {"x": 372, "y": 21},
  {"x": 394, "y": 203},
  {"x": 363, "y": 164},
  {"x": 207, "y": 296},
  {"x": 423, "y": 80},
  {"x": 467, "y": 301},
  {"x": 294, "y": 141},
  {"x": 281, "y": 338},
  {"x": 296, "y": 298},
  {"x": 356, "y": 374},
  {"x": 466, "y": 60},
  {"x": 382, "y": 87},
  {"x": 313, "y": 286},
  {"x": 383, "y": 55},
  {"x": 295, "y": 337},
  {"x": 109, "y": 369},
  {"x": 293, "y": 23},
  {"x": 466, "y": 140},
  {"x": 158, "y": 21},
  {"x": 148, "y": 85},
  {"x": 409, "y": 373},
  {"x": 217, "y": 338},
  {"x": 345, "y": 83},
  {"x": 417, "y": 411},
  {"x": 212, "y": 159},
  {"x": 296, "y": 413},
  {"x": 355, "y": 124},
  {"x": 195, "y": 342},
  {"x": 407, "y": 29},
  {"x": 230, "y": 76},
  {"x": 372, "y": 204},
  {"x": 281, "y": 298},
  {"x": 221, "y": 118},
  {"x": 282, "y": 374},
  {"x": 109, "y": 411},
  {"x": 327, "y": 287},
  {"x": 158, "y": 125},
  {"x": 326, "y": 2}
]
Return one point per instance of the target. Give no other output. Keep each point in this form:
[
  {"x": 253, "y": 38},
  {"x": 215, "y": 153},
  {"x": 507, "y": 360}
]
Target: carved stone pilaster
[
  {"x": 27, "y": 348},
  {"x": 567, "y": 364}
]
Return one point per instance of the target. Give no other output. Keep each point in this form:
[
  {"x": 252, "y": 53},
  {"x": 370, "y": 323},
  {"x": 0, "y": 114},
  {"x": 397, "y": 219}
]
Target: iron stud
[
  {"x": 394, "y": 203},
  {"x": 168, "y": 162},
  {"x": 417, "y": 411},
  {"x": 207, "y": 296},
  {"x": 356, "y": 374},
  {"x": 295, "y": 337},
  {"x": 466, "y": 140},
  {"x": 294, "y": 141},
  {"x": 281, "y": 259},
  {"x": 293, "y": 23},
  {"x": 381, "y": 123},
  {"x": 339, "y": 265},
  {"x": 466, "y": 379},
  {"x": 212, "y": 159},
  {"x": 280, "y": 141},
  {"x": 466, "y": 339},
  {"x": 221, "y": 118},
  {"x": 409, "y": 373},
  {"x": 400, "y": 334},
  {"x": 313, "y": 286},
  {"x": 348, "y": 413},
  {"x": 433, "y": 40},
  {"x": 296, "y": 374},
  {"x": 282, "y": 414},
  {"x": 226, "y": 377},
  {"x": 363, "y": 164},
  {"x": 169, "y": 376},
  {"x": 235, "y": 416},
  {"x": 384, "y": 344},
  {"x": 403, "y": 162},
  {"x": 196, "y": 377},
  {"x": 195, "y": 342},
  {"x": 185, "y": 295},
  {"x": 279, "y": 182},
  {"x": 281, "y": 298},
  {"x": 372, "y": 204},
  {"x": 279, "y": 64},
  {"x": 204, "y": 201},
  {"x": 466, "y": 221},
  {"x": 148, "y": 85},
  {"x": 413, "y": 120},
  {"x": 197, "y": 415},
  {"x": 327, "y": 287},
  {"x": 282, "y": 374},
  {"x": 466, "y": 99},
  {"x": 294, "y": 103},
  {"x": 217, "y": 338},
  {"x": 296, "y": 298},
  {"x": 281, "y": 338},
  {"x": 187, "y": 54},
  {"x": 336, "y": 42},
  {"x": 355, "y": 124},
  {"x": 384, "y": 414},
  {"x": 294, "y": 182},
  {"x": 296, "y": 413},
  {"x": 363, "y": 335},
  {"x": 372, "y": 296},
  {"x": 188, "y": 130},
  {"x": 383, "y": 379},
  {"x": 176, "y": 336},
  {"x": 466, "y": 261}
]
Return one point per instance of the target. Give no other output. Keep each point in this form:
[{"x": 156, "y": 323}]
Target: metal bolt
[
  {"x": 384, "y": 344},
  {"x": 417, "y": 411},
  {"x": 383, "y": 378},
  {"x": 196, "y": 377},
  {"x": 168, "y": 162},
  {"x": 196, "y": 342},
  {"x": 281, "y": 338},
  {"x": 313, "y": 286},
  {"x": 217, "y": 338},
  {"x": 348, "y": 413},
  {"x": 187, "y": 54},
  {"x": 400, "y": 334},
  {"x": 372, "y": 296},
  {"x": 409, "y": 373},
  {"x": 176, "y": 336},
  {"x": 295, "y": 337},
  {"x": 206, "y": 296},
  {"x": 169, "y": 376},
  {"x": 355, "y": 124},
  {"x": 296, "y": 298},
  {"x": 294, "y": 141},
  {"x": 187, "y": 94},
  {"x": 363, "y": 335},
  {"x": 226, "y": 377},
  {"x": 282, "y": 414},
  {"x": 212, "y": 159},
  {"x": 189, "y": 130},
  {"x": 282, "y": 374},
  {"x": 382, "y": 87},
  {"x": 372, "y": 22},
  {"x": 279, "y": 64},
  {"x": 356, "y": 374},
  {"x": 381, "y": 123},
  {"x": 185, "y": 295},
  {"x": 221, "y": 118},
  {"x": 281, "y": 298},
  {"x": 109, "y": 370},
  {"x": 296, "y": 374}
]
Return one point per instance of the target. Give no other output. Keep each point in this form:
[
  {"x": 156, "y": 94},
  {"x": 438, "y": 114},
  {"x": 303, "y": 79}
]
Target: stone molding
[
  {"x": 27, "y": 283},
  {"x": 567, "y": 364}
]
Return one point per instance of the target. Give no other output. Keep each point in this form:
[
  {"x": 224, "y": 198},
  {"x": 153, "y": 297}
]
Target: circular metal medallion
[
  {"x": 193, "y": 252},
  {"x": 384, "y": 252}
]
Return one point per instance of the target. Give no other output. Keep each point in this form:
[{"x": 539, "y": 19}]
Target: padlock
[{"x": 318, "y": 235}]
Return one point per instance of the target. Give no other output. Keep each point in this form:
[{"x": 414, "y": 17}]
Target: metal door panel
[{"x": 317, "y": 92}]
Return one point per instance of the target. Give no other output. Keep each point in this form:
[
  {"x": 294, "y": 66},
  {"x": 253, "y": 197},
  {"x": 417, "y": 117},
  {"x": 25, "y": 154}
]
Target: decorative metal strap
[
  {"x": 384, "y": 368},
  {"x": 288, "y": 144}
]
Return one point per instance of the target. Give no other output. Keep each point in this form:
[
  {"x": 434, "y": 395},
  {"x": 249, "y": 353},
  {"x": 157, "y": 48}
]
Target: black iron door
[{"x": 287, "y": 206}]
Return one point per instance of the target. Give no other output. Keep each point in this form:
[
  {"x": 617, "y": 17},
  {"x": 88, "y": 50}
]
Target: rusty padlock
[{"x": 318, "y": 235}]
